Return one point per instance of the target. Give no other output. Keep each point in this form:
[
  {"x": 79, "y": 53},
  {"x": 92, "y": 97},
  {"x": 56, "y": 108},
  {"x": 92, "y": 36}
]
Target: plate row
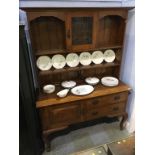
[{"x": 58, "y": 61}]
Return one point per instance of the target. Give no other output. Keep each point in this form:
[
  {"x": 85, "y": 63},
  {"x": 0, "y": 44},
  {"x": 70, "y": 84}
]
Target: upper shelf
[
  {"x": 65, "y": 69},
  {"x": 63, "y": 51}
]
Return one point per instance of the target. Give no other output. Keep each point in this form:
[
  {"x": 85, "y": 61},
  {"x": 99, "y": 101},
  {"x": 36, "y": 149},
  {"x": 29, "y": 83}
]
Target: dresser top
[{"x": 100, "y": 90}]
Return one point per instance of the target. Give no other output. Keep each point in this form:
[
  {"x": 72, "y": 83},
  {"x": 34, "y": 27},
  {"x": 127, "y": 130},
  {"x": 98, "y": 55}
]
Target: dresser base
[{"x": 48, "y": 136}]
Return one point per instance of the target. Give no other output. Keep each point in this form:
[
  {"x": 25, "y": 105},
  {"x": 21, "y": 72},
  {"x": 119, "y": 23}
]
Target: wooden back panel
[
  {"x": 110, "y": 31},
  {"x": 47, "y": 34}
]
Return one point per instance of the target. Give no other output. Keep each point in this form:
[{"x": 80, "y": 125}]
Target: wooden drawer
[
  {"x": 106, "y": 100},
  {"x": 58, "y": 116},
  {"x": 112, "y": 109}
]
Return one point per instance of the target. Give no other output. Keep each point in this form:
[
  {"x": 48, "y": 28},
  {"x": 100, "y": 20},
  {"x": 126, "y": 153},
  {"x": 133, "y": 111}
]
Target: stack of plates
[
  {"x": 109, "y": 81},
  {"x": 68, "y": 84},
  {"x": 92, "y": 80}
]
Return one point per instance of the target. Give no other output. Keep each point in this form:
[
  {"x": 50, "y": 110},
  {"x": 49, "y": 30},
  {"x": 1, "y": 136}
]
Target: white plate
[
  {"x": 109, "y": 81},
  {"x": 85, "y": 58},
  {"x": 58, "y": 61},
  {"x": 109, "y": 55},
  {"x": 97, "y": 57},
  {"x": 72, "y": 60},
  {"x": 68, "y": 84},
  {"x": 82, "y": 90},
  {"x": 92, "y": 80},
  {"x": 44, "y": 63}
]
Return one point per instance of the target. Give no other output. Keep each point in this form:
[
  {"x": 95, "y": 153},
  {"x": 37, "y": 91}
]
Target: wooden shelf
[
  {"x": 63, "y": 51},
  {"x": 106, "y": 47},
  {"x": 68, "y": 69},
  {"x": 49, "y": 52},
  {"x": 100, "y": 90}
]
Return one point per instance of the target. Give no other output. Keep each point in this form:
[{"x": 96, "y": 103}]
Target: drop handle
[
  {"x": 94, "y": 113},
  {"x": 115, "y": 109},
  {"x": 68, "y": 34},
  {"x": 117, "y": 97}
]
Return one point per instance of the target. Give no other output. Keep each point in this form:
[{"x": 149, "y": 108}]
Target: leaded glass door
[{"x": 81, "y": 31}]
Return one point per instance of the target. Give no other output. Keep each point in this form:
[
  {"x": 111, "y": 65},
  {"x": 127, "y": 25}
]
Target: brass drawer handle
[
  {"x": 117, "y": 97},
  {"x": 95, "y": 102},
  {"x": 115, "y": 108},
  {"x": 94, "y": 113}
]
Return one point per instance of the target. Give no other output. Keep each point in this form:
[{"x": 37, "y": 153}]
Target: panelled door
[{"x": 80, "y": 30}]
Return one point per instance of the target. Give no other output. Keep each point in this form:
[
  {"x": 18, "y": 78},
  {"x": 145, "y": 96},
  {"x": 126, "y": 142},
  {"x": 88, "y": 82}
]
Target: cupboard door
[
  {"x": 53, "y": 117},
  {"x": 80, "y": 33},
  {"x": 66, "y": 114}
]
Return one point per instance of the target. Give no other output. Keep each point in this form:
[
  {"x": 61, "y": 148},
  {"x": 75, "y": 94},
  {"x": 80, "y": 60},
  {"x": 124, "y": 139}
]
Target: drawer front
[
  {"x": 58, "y": 116},
  {"x": 113, "y": 109},
  {"x": 106, "y": 100}
]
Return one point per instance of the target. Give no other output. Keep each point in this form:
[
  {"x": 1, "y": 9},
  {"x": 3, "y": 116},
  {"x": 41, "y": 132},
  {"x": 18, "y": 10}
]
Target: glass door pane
[{"x": 82, "y": 30}]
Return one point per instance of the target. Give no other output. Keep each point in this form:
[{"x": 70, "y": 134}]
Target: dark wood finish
[
  {"x": 60, "y": 31},
  {"x": 60, "y": 116},
  {"x": 79, "y": 68},
  {"x": 106, "y": 100},
  {"x": 47, "y": 34},
  {"x": 110, "y": 31},
  {"x": 113, "y": 109},
  {"x": 122, "y": 147}
]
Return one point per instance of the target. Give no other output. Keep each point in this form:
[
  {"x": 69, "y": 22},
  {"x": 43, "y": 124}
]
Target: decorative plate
[
  {"x": 44, "y": 63},
  {"x": 85, "y": 58},
  {"x": 68, "y": 84},
  {"x": 109, "y": 81},
  {"x": 97, "y": 57},
  {"x": 72, "y": 60},
  {"x": 82, "y": 90},
  {"x": 58, "y": 61},
  {"x": 109, "y": 55},
  {"x": 92, "y": 80}
]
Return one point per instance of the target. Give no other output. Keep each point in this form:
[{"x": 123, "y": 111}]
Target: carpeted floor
[{"x": 86, "y": 138}]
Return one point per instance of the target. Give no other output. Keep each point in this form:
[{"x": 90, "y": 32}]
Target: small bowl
[
  {"x": 49, "y": 88},
  {"x": 63, "y": 93}
]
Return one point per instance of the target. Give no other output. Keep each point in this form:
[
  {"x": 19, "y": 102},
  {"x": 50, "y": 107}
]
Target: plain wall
[{"x": 128, "y": 66}]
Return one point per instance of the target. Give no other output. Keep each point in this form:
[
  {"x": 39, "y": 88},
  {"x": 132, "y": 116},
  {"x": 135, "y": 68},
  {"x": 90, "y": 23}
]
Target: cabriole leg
[{"x": 122, "y": 123}]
